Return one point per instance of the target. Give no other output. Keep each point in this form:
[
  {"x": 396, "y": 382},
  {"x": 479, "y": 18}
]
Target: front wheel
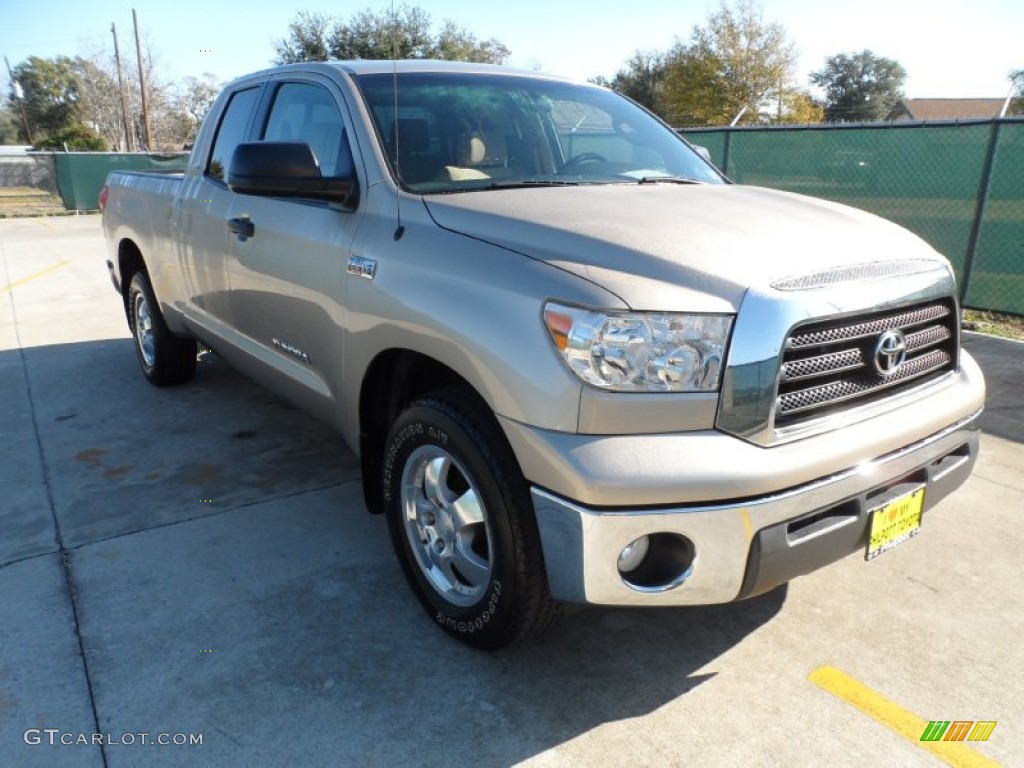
[
  {"x": 462, "y": 524},
  {"x": 165, "y": 359}
]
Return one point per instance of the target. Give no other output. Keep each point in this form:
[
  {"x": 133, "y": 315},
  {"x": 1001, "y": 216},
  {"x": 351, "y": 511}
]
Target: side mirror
[
  {"x": 703, "y": 152},
  {"x": 285, "y": 169}
]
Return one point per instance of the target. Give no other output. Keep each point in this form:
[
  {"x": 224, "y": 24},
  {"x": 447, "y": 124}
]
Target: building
[{"x": 945, "y": 109}]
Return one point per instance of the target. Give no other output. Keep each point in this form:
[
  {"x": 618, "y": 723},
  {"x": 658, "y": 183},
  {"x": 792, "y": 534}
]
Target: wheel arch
[
  {"x": 129, "y": 262},
  {"x": 394, "y": 379}
]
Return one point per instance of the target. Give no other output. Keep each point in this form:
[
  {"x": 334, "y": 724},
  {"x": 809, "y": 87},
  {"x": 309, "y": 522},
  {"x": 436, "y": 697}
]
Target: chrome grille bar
[
  {"x": 826, "y": 364},
  {"x": 845, "y": 389},
  {"x": 870, "y": 328},
  {"x": 852, "y": 359}
]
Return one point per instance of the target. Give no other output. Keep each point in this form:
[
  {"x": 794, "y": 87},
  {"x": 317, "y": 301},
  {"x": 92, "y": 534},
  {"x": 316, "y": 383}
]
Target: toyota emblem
[{"x": 890, "y": 352}]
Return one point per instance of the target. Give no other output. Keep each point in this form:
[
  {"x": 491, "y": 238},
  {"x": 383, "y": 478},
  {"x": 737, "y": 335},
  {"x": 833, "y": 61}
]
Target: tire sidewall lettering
[
  {"x": 396, "y": 447},
  {"x": 469, "y": 625}
]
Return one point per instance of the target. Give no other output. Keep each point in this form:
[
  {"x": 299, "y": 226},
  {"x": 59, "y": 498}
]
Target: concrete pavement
[{"x": 198, "y": 561}]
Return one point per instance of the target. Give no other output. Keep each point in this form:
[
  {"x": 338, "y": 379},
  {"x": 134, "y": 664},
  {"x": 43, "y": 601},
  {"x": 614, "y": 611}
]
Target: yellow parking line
[
  {"x": 895, "y": 718},
  {"x": 748, "y": 529},
  {"x": 45, "y": 223},
  {"x": 34, "y": 275}
]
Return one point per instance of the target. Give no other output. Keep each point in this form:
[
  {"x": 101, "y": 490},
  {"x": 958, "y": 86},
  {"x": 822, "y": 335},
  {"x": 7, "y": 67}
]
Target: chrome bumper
[{"x": 582, "y": 544}]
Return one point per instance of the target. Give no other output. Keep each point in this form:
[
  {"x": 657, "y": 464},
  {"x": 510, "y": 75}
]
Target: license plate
[{"x": 894, "y": 523}]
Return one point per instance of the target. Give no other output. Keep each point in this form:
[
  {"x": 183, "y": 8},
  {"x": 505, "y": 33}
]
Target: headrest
[
  {"x": 479, "y": 148},
  {"x": 471, "y": 149}
]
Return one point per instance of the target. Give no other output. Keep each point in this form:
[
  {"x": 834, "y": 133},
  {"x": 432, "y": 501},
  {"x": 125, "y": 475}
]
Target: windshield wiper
[
  {"x": 513, "y": 183},
  {"x": 667, "y": 180}
]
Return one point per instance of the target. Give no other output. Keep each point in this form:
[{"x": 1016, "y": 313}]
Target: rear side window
[
  {"x": 308, "y": 113},
  {"x": 231, "y": 131}
]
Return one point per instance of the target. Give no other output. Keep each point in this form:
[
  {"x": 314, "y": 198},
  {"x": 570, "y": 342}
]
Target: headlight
[{"x": 640, "y": 351}]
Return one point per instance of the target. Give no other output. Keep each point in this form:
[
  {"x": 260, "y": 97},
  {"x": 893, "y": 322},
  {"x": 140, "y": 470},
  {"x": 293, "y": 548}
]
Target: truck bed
[{"x": 143, "y": 206}]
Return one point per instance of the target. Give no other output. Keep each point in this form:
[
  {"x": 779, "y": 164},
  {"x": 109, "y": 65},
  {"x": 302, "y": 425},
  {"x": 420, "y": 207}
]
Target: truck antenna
[{"x": 400, "y": 230}]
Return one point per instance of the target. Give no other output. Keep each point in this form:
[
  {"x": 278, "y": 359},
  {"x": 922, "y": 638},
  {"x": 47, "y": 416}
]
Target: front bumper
[{"x": 748, "y": 546}]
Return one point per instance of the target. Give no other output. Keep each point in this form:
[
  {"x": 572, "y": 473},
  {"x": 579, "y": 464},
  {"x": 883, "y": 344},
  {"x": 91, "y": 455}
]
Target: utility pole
[
  {"x": 142, "y": 83},
  {"x": 16, "y": 87},
  {"x": 120, "y": 89}
]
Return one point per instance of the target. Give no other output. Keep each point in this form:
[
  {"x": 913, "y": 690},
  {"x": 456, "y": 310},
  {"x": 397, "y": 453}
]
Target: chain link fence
[
  {"x": 28, "y": 185},
  {"x": 960, "y": 186}
]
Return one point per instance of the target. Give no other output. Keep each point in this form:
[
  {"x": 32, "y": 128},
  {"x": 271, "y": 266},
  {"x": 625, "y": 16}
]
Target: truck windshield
[{"x": 455, "y": 132}]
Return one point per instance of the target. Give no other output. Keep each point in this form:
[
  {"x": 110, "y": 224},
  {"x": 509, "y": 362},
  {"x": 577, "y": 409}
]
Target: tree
[
  {"x": 736, "y": 62},
  {"x": 192, "y": 101},
  {"x": 799, "y": 107},
  {"x": 370, "y": 35},
  {"x": 74, "y": 137},
  {"x": 174, "y": 109},
  {"x": 641, "y": 79},
  {"x": 10, "y": 132},
  {"x": 455, "y": 43},
  {"x": 859, "y": 87},
  {"x": 406, "y": 34},
  {"x": 308, "y": 39},
  {"x": 694, "y": 92},
  {"x": 55, "y": 95},
  {"x": 77, "y": 102},
  {"x": 100, "y": 100},
  {"x": 1017, "y": 103},
  {"x": 51, "y": 94},
  {"x": 736, "y": 66},
  {"x": 1017, "y": 78}
]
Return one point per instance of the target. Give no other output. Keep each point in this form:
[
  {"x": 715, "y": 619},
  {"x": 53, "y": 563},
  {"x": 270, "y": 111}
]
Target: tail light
[{"x": 104, "y": 194}]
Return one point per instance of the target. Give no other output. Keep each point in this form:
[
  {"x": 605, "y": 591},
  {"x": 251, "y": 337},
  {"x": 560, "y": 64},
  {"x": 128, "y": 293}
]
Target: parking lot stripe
[
  {"x": 34, "y": 275},
  {"x": 895, "y": 718},
  {"x": 748, "y": 529}
]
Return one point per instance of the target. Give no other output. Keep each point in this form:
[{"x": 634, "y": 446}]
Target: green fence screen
[
  {"x": 80, "y": 175},
  {"x": 960, "y": 186}
]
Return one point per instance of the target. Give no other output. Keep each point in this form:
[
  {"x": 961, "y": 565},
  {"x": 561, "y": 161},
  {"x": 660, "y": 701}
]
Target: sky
[{"x": 950, "y": 48}]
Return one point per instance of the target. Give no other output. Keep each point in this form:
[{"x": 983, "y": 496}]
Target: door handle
[{"x": 242, "y": 227}]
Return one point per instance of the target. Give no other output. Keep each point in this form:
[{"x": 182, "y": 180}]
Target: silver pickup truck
[{"x": 577, "y": 363}]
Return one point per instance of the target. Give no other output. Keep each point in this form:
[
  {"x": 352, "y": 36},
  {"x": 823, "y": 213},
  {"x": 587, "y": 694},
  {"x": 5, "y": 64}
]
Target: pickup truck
[{"x": 577, "y": 363}]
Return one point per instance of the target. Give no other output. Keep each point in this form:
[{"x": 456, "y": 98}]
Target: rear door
[{"x": 288, "y": 279}]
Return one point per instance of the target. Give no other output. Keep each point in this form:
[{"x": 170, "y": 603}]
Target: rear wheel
[
  {"x": 462, "y": 524},
  {"x": 165, "y": 359}
]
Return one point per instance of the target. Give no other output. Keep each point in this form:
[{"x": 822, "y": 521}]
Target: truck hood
[{"x": 672, "y": 247}]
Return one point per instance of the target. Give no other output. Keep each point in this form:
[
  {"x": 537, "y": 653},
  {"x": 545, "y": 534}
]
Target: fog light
[
  {"x": 633, "y": 554},
  {"x": 657, "y": 562}
]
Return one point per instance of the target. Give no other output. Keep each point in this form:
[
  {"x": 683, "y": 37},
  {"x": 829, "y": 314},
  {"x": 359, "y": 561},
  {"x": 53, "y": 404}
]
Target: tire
[
  {"x": 166, "y": 359},
  {"x": 462, "y": 523}
]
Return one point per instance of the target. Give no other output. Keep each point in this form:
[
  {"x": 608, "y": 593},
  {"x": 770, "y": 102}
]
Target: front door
[{"x": 288, "y": 278}]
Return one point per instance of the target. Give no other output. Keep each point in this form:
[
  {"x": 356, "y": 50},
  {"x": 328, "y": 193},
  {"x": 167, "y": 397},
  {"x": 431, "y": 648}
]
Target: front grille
[{"x": 831, "y": 365}]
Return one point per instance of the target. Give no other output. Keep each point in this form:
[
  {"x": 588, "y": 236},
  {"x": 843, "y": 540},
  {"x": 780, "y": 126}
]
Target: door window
[
  {"x": 231, "y": 131},
  {"x": 308, "y": 113}
]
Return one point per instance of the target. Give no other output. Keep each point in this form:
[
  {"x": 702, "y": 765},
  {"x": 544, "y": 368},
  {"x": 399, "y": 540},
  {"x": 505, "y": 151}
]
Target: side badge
[{"x": 361, "y": 267}]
